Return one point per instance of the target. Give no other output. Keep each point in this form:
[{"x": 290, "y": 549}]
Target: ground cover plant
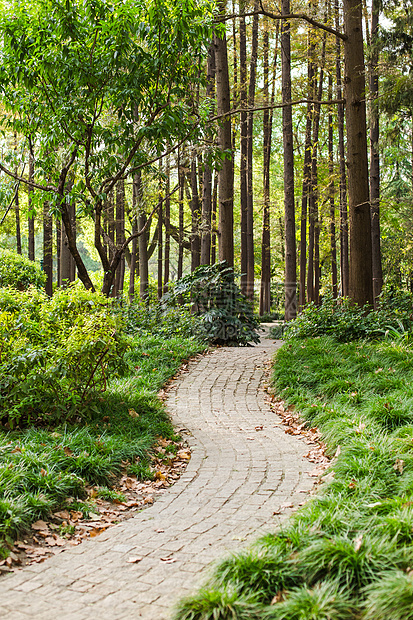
[
  {"x": 47, "y": 461},
  {"x": 348, "y": 553}
]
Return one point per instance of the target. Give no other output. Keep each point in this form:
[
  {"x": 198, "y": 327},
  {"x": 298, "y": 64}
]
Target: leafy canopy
[{"x": 108, "y": 80}]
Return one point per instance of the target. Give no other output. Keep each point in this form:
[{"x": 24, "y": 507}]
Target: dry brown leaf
[
  {"x": 168, "y": 560},
  {"x": 399, "y": 465},
  {"x": 62, "y": 514},
  {"x": 134, "y": 559},
  {"x": 358, "y": 542},
  {"x": 40, "y": 525}
]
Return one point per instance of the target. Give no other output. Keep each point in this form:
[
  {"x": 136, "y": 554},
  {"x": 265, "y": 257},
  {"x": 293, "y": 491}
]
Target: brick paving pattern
[{"x": 237, "y": 478}]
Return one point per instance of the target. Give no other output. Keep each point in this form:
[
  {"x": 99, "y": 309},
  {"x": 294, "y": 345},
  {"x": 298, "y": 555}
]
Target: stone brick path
[{"x": 238, "y": 476}]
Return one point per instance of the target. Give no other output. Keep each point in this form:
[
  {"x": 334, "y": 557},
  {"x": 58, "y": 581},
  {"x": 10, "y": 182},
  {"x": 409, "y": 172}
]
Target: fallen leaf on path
[
  {"x": 134, "y": 559},
  {"x": 40, "y": 525},
  {"x": 168, "y": 560}
]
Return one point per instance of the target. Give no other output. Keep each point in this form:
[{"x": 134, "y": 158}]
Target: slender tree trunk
[
  {"x": 160, "y": 239},
  {"x": 226, "y": 172},
  {"x": 181, "y": 181},
  {"x": 67, "y": 263},
  {"x": 307, "y": 182},
  {"x": 344, "y": 264},
  {"x": 235, "y": 89},
  {"x": 143, "y": 259},
  {"x": 167, "y": 227},
  {"x": 289, "y": 205},
  {"x": 333, "y": 250},
  {"x": 48, "y": 248},
  {"x": 361, "y": 277},
  {"x": 375, "y": 157},
  {"x": 132, "y": 267},
  {"x": 31, "y": 248},
  {"x": 214, "y": 220},
  {"x": 120, "y": 236},
  {"x": 243, "y": 147},
  {"x": 207, "y": 174},
  {"x": 195, "y": 217},
  {"x": 250, "y": 131},
  {"x": 265, "y": 288}
]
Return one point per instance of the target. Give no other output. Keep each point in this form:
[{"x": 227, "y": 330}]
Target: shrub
[
  {"x": 56, "y": 355},
  {"x": 225, "y": 315},
  {"x": 346, "y": 321},
  {"x": 19, "y": 272}
]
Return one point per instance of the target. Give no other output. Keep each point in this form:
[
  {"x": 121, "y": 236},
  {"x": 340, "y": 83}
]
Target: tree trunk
[
  {"x": 250, "y": 130},
  {"x": 31, "y": 248},
  {"x": 181, "y": 181},
  {"x": 375, "y": 157},
  {"x": 132, "y": 267},
  {"x": 333, "y": 250},
  {"x": 289, "y": 206},
  {"x": 48, "y": 248},
  {"x": 67, "y": 263},
  {"x": 207, "y": 175},
  {"x": 167, "y": 227},
  {"x": 160, "y": 239},
  {"x": 243, "y": 147},
  {"x": 265, "y": 288},
  {"x": 361, "y": 277},
  {"x": 143, "y": 260},
  {"x": 214, "y": 220},
  {"x": 226, "y": 172},
  {"x": 344, "y": 266},
  {"x": 307, "y": 179},
  {"x": 120, "y": 236},
  {"x": 195, "y": 217}
]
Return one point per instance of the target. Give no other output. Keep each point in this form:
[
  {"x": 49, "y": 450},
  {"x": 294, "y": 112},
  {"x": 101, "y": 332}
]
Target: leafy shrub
[
  {"x": 346, "y": 321},
  {"x": 57, "y": 354},
  {"x": 19, "y": 272},
  {"x": 225, "y": 315},
  {"x": 158, "y": 320}
]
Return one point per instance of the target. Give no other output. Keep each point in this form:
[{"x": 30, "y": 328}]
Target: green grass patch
[
  {"x": 348, "y": 553},
  {"x": 42, "y": 470}
]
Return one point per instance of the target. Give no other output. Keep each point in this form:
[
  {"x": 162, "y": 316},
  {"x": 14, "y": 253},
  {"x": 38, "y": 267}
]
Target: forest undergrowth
[{"x": 348, "y": 553}]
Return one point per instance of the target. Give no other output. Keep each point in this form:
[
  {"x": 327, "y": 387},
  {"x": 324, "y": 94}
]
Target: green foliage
[
  {"x": 345, "y": 321},
  {"x": 57, "y": 355},
  {"x": 42, "y": 470},
  {"x": 19, "y": 272},
  {"x": 226, "y": 604},
  {"x": 157, "y": 320},
  {"x": 390, "y": 597},
  {"x": 225, "y": 315}
]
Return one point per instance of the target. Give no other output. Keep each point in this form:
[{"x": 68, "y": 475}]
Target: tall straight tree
[
  {"x": 289, "y": 206},
  {"x": 250, "y": 137},
  {"x": 360, "y": 276},
  {"x": 226, "y": 172},
  {"x": 243, "y": 147},
  {"x": 30, "y": 223},
  {"x": 374, "y": 155},
  {"x": 207, "y": 173}
]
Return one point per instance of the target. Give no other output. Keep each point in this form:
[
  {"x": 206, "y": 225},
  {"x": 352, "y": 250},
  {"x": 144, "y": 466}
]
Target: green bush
[
  {"x": 225, "y": 315},
  {"x": 19, "y": 272},
  {"x": 57, "y": 354},
  {"x": 346, "y": 321}
]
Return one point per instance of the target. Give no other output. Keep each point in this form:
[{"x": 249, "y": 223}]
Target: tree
[{"x": 105, "y": 87}]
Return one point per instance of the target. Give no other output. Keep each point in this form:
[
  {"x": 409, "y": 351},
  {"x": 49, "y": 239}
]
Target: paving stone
[{"x": 236, "y": 478}]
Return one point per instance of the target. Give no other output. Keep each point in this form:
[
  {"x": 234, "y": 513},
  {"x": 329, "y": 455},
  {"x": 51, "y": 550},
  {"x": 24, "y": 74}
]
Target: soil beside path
[{"x": 243, "y": 469}]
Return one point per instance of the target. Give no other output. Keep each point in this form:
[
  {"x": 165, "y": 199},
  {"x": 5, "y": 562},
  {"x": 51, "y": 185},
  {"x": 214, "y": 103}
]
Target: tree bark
[
  {"x": 243, "y": 148},
  {"x": 207, "y": 174},
  {"x": 333, "y": 249},
  {"x": 67, "y": 263},
  {"x": 226, "y": 172},
  {"x": 181, "y": 181},
  {"x": 120, "y": 236},
  {"x": 195, "y": 217},
  {"x": 344, "y": 265},
  {"x": 31, "y": 248},
  {"x": 375, "y": 157},
  {"x": 48, "y": 248},
  {"x": 250, "y": 130},
  {"x": 361, "y": 277},
  {"x": 167, "y": 227},
  {"x": 289, "y": 205},
  {"x": 265, "y": 288}
]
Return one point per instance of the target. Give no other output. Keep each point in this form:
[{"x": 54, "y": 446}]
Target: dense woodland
[{"x": 141, "y": 140}]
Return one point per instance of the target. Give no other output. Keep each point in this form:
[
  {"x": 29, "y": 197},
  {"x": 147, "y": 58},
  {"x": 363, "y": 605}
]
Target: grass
[
  {"x": 348, "y": 553},
  {"x": 42, "y": 470}
]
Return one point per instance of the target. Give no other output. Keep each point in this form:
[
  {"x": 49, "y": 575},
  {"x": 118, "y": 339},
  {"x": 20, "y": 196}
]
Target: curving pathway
[{"x": 243, "y": 469}]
